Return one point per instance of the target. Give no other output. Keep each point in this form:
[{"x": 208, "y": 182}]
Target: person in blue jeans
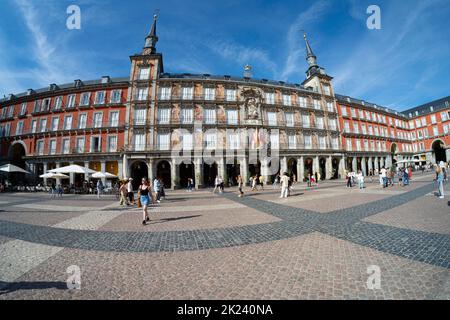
[
  {"x": 405, "y": 178},
  {"x": 440, "y": 181}
]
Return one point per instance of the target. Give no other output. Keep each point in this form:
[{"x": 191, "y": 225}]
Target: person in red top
[{"x": 409, "y": 172}]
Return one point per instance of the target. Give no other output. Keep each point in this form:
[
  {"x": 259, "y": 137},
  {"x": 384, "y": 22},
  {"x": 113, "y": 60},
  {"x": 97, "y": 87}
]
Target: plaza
[{"x": 316, "y": 244}]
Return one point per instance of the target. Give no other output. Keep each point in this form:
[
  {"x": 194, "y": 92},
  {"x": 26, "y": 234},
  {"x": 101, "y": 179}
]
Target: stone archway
[
  {"x": 438, "y": 147},
  {"x": 138, "y": 170},
  {"x": 187, "y": 171},
  {"x": 163, "y": 172},
  {"x": 335, "y": 168},
  {"x": 292, "y": 168},
  {"x": 210, "y": 171},
  {"x": 308, "y": 165},
  {"x": 16, "y": 155},
  {"x": 323, "y": 168}
]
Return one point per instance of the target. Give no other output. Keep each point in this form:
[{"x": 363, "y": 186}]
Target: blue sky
[{"x": 404, "y": 64}]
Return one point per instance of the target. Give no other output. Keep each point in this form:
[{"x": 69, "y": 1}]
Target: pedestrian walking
[
  {"x": 261, "y": 182},
  {"x": 360, "y": 179},
  {"x": 440, "y": 182},
  {"x": 130, "y": 192},
  {"x": 157, "y": 189},
  {"x": 216, "y": 184},
  {"x": 144, "y": 192},
  {"x": 240, "y": 186},
  {"x": 254, "y": 183},
  {"x": 383, "y": 177},
  {"x": 276, "y": 181},
  {"x": 99, "y": 188},
  {"x": 349, "y": 180},
  {"x": 123, "y": 193},
  {"x": 284, "y": 185},
  {"x": 190, "y": 184}
]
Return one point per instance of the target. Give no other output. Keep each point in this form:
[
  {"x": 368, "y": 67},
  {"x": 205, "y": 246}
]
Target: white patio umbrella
[
  {"x": 12, "y": 168},
  {"x": 51, "y": 175},
  {"x": 106, "y": 175},
  {"x": 74, "y": 168}
]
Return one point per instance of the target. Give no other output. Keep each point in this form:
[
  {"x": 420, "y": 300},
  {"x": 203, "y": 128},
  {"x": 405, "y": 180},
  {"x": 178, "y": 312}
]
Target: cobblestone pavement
[{"x": 317, "y": 244}]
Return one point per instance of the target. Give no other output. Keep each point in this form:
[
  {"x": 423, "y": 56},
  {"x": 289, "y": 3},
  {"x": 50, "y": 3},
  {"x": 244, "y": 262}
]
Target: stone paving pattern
[{"x": 314, "y": 245}]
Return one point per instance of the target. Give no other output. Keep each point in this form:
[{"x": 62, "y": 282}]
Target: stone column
[
  {"x": 174, "y": 170},
  {"x": 150, "y": 170},
  {"x": 329, "y": 168},
  {"x": 58, "y": 180},
  {"x": 265, "y": 171},
  {"x": 382, "y": 162},
  {"x": 355, "y": 164},
  {"x": 120, "y": 169},
  {"x": 222, "y": 169},
  {"x": 388, "y": 161},
  {"x": 198, "y": 173},
  {"x": 72, "y": 175},
  {"x": 370, "y": 164},
  {"x": 86, "y": 165},
  {"x": 300, "y": 169},
  {"x": 283, "y": 165},
  {"x": 45, "y": 171},
  {"x": 315, "y": 164},
  {"x": 244, "y": 169},
  {"x": 342, "y": 167},
  {"x": 103, "y": 169},
  {"x": 377, "y": 168},
  {"x": 363, "y": 166},
  {"x": 125, "y": 167}
]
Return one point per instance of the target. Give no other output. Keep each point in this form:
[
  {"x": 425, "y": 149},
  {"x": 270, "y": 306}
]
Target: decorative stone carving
[{"x": 251, "y": 98}]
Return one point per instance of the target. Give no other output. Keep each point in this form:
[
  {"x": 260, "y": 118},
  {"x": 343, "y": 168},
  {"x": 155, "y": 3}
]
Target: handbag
[{"x": 139, "y": 204}]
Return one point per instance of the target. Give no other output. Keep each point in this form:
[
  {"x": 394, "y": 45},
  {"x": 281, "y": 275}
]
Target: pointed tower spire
[
  {"x": 310, "y": 57},
  {"x": 152, "y": 38}
]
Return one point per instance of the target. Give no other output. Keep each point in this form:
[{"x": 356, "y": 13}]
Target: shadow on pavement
[
  {"x": 8, "y": 287},
  {"x": 173, "y": 219}
]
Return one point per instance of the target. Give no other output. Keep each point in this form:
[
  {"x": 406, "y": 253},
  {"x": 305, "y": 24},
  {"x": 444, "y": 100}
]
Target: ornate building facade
[{"x": 180, "y": 126}]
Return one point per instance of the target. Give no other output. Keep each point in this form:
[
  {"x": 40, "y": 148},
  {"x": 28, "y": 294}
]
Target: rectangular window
[
  {"x": 210, "y": 116},
  {"x": 355, "y": 127},
  {"x": 43, "y": 125},
  {"x": 100, "y": 97},
  {"x": 33, "y": 126},
  {"x": 370, "y": 130},
  {"x": 274, "y": 141},
  {"x": 302, "y": 102},
  {"x": 67, "y": 122},
  {"x": 316, "y": 104},
  {"x": 58, "y": 103},
  {"x": 188, "y": 93},
  {"x": 40, "y": 147},
  {"x": 319, "y": 122},
  {"x": 52, "y": 147},
  {"x": 232, "y": 117},
  {"x": 144, "y": 73},
  {"x": 335, "y": 143},
  {"x": 330, "y": 106},
  {"x": 210, "y": 140},
  {"x": 80, "y": 145},
  {"x": 358, "y": 145},
  {"x": 326, "y": 90},
  {"x": 116, "y": 96},
  {"x": 98, "y": 120},
  {"x": 84, "y": 100},
  {"x": 19, "y": 128},
  {"x": 287, "y": 99},
  {"x": 305, "y": 121},
  {"x": 435, "y": 131},
  {"x": 71, "y": 101},
  {"x": 230, "y": 94},
  {"x": 424, "y": 121},
  {"x": 270, "y": 97},
  {"x": 139, "y": 116},
  {"x": 55, "y": 124},
  {"x": 446, "y": 128},
  {"x": 363, "y": 128},
  {"x": 139, "y": 142},
  {"x": 349, "y": 145},
  {"x": 82, "y": 119},
  {"x": 322, "y": 143},
  {"x": 272, "y": 118},
  {"x": 353, "y": 112},
  {"x": 46, "y": 105},
  {"x": 96, "y": 144},
  {"x": 366, "y": 145},
  {"x": 114, "y": 119},
  {"x": 308, "y": 141},
  {"x": 112, "y": 143},
  {"x": 233, "y": 140},
  {"x": 165, "y": 93},
  {"x": 37, "y": 106},
  {"x": 187, "y": 141},
  {"x": 289, "y": 119},
  {"x": 187, "y": 116},
  {"x": 163, "y": 115},
  {"x": 444, "y": 116},
  {"x": 164, "y": 141},
  {"x": 23, "y": 109},
  {"x": 65, "y": 146},
  {"x": 344, "y": 111},
  {"x": 210, "y": 94},
  {"x": 142, "y": 94},
  {"x": 332, "y": 124},
  {"x": 292, "y": 142},
  {"x": 347, "y": 126}
]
